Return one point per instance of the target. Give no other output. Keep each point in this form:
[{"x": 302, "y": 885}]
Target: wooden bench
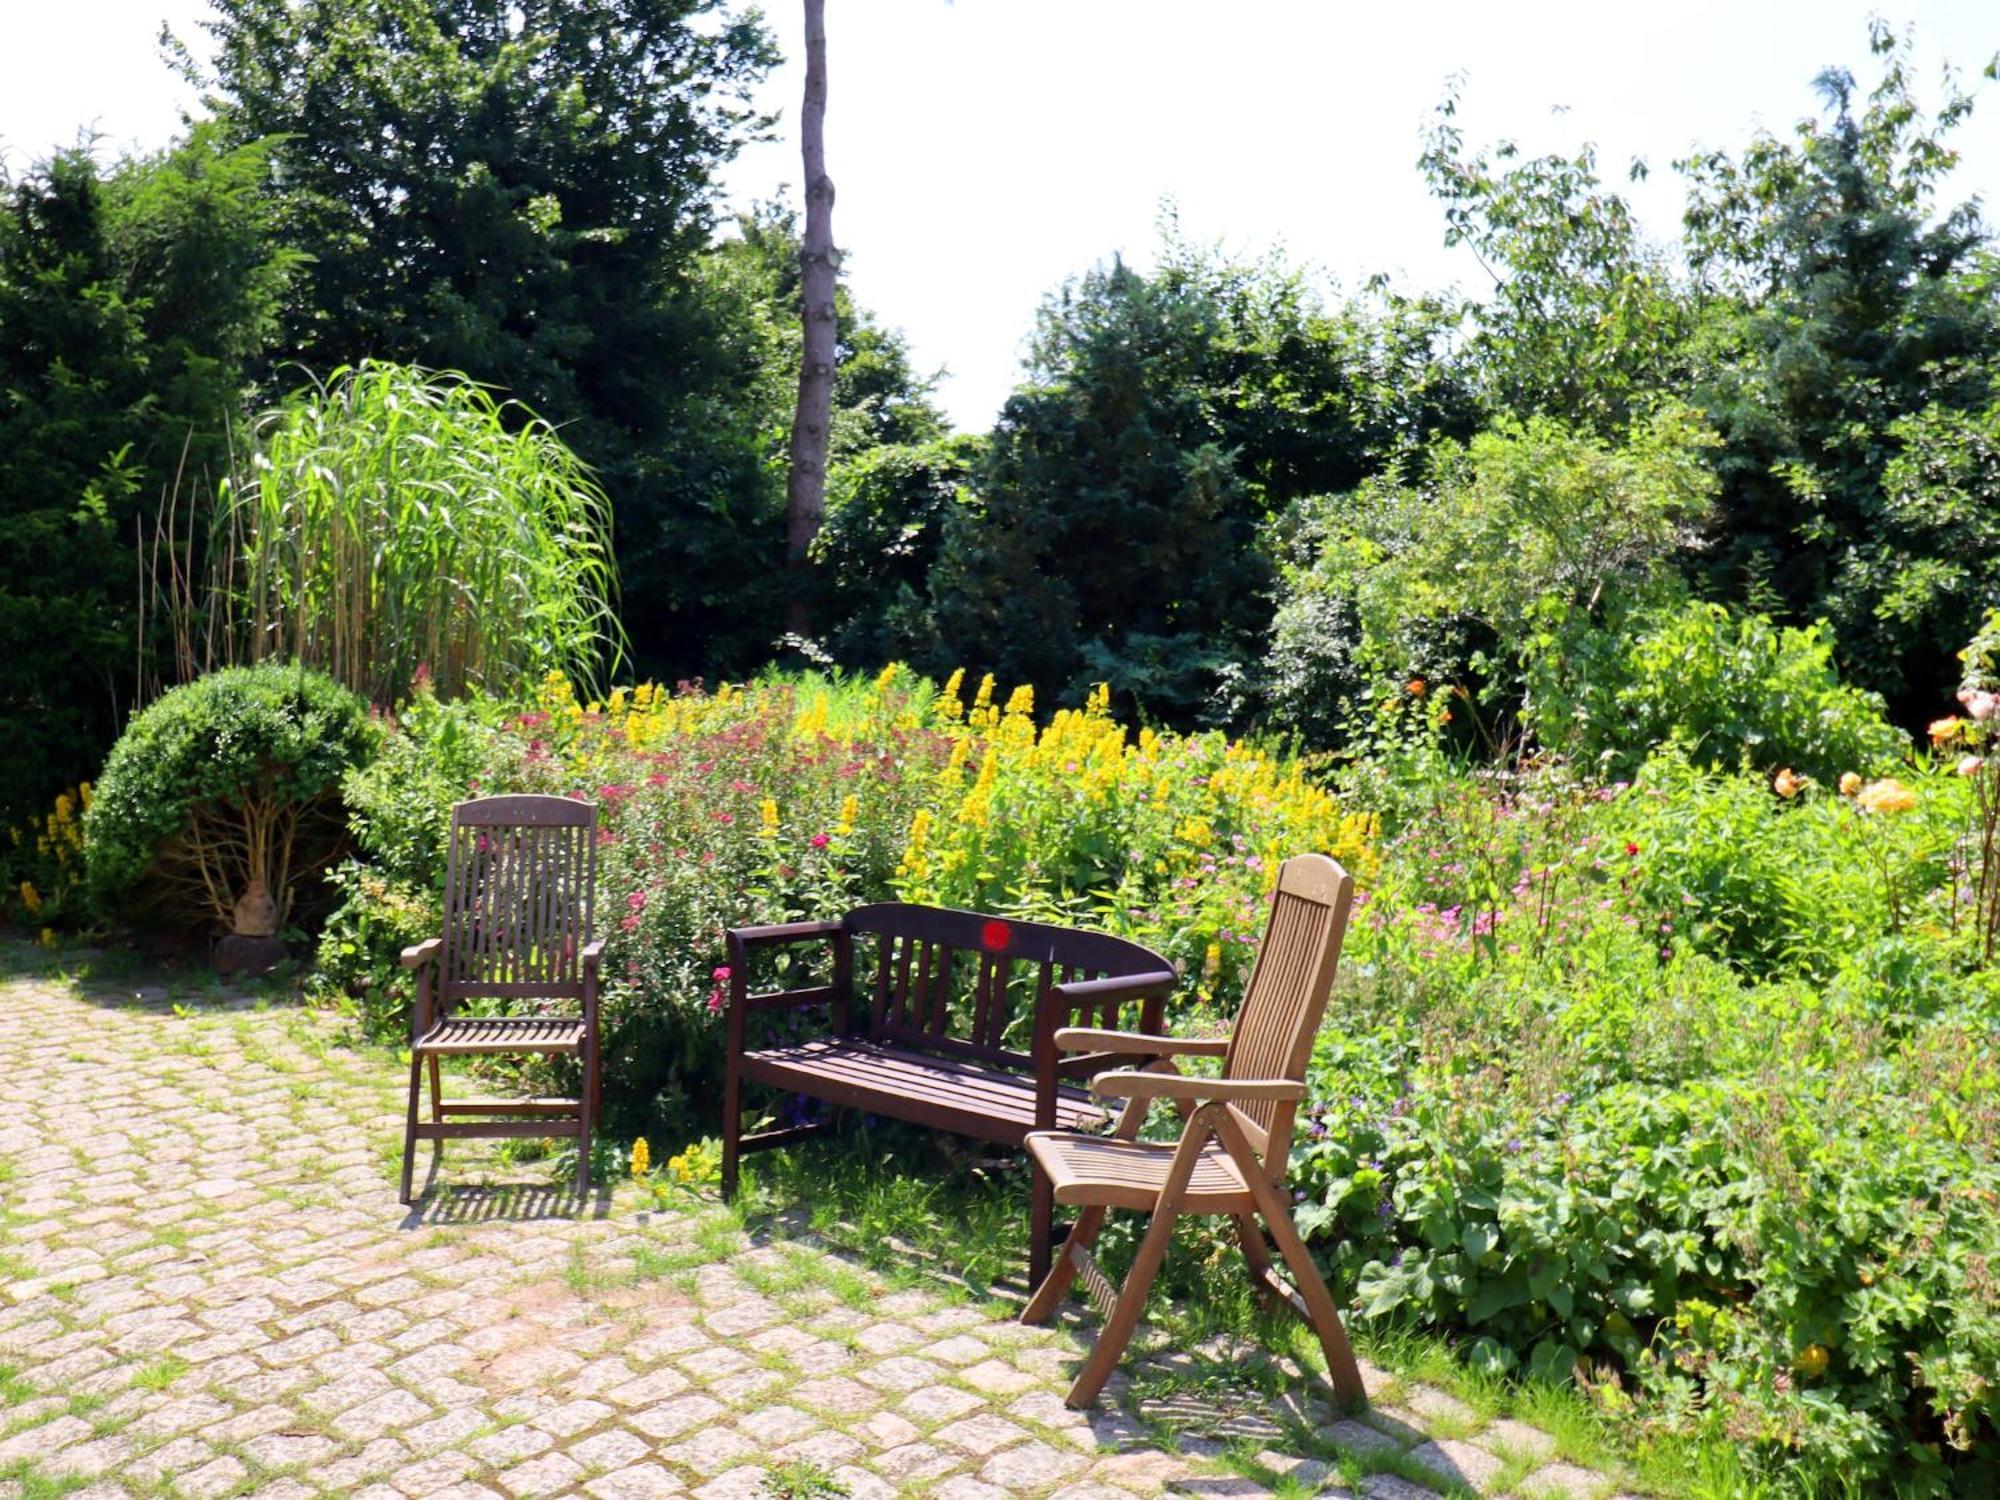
[{"x": 943, "y": 1042}]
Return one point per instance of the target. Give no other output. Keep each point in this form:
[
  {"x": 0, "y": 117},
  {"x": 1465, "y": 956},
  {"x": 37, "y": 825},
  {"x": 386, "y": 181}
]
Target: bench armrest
[
  {"x": 740, "y": 940},
  {"x": 593, "y": 953},
  {"x": 1124, "y": 1085},
  {"x": 1139, "y": 1043},
  {"x": 1081, "y": 992},
  {"x": 782, "y": 932},
  {"x": 419, "y": 954}
]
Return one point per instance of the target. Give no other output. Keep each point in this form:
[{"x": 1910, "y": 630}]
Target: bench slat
[{"x": 985, "y": 1103}]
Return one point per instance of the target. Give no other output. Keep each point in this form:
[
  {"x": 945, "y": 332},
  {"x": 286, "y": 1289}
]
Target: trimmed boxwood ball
[{"x": 223, "y": 795}]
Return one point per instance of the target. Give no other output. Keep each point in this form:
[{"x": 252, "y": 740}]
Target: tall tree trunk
[{"x": 805, "y": 485}]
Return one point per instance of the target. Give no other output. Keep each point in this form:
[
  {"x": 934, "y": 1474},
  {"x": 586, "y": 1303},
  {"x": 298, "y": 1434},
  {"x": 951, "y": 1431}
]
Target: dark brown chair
[
  {"x": 517, "y": 910},
  {"x": 1235, "y": 1144}
]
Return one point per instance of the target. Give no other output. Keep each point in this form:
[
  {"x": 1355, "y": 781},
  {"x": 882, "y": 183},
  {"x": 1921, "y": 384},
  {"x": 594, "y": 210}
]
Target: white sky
[{"x": 983, "y": 150}]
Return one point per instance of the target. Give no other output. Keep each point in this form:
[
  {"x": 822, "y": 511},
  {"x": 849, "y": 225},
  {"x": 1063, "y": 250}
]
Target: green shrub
[
  {"x": 1733, "y": 690},
  {"x": 399, "y": 813},
  {"x": 221, "y": 797},
  {"x": 1685, "y": 1087}
]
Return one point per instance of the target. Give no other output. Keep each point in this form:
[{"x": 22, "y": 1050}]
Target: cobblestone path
[{"x": 207, "y": 1288}]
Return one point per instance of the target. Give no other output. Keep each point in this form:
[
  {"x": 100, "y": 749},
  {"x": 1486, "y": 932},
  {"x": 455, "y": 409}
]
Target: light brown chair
[
  {"x": 1235, "y": 1143},
  {"x": 519, "y": 877}
]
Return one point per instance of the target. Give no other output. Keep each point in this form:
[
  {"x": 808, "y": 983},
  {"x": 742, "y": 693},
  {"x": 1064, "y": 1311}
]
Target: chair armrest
[
  {"x": 593, "y": 953},
  {"x": 416, "y": 956},
  {"x": 1090, "y": 1039},
  {"x": 1126, "y": 1085},
  {"x": 1083, "y": 992}
]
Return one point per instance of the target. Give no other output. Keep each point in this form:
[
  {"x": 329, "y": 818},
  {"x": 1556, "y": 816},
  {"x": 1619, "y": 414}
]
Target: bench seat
[{"x": 965, "y": 1098}]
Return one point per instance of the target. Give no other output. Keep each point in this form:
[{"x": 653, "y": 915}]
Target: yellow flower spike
[
  {"x": 849, "y": 810},
  {"x": 30, "y": 897},
  {"x": 888, "y": 675},
  {"x": 983, "y": 699},
  {"x": 48, "y": 937},
  {"x": 642, "y": 1157}
]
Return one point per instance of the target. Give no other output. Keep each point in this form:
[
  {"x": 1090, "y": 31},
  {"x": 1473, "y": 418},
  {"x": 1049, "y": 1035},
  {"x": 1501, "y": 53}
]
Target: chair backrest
[
  {"x": 518, "y": 884},
  {"x": 969, "y": 985},
  {"x": 1287, "y": 993}
]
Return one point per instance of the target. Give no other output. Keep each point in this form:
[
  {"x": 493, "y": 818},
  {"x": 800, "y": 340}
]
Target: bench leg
[{"x": 732, "y": 1125}]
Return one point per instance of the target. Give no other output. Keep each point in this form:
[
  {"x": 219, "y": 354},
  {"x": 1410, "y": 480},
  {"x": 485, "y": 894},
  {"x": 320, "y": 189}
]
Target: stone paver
[{"x": 207, "y": 1284}]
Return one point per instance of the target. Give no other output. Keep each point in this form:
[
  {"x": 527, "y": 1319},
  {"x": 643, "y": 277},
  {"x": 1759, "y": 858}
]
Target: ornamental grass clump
[
  {"x": 224, "y": 795},
  {"x": 395, "y": 524}
]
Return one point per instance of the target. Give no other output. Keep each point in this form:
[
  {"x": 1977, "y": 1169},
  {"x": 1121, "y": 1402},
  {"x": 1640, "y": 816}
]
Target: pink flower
[
  {"x": 721, "y": 975},
  {"x": 637, "y": 901},
  {"x": 819, "y": 841},
  {"x": 1981, "y": 704},
  {"x": 1970, "y": 765}
]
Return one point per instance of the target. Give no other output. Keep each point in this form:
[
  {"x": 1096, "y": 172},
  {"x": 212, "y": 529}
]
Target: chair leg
[
  {"x": 1340, "y": 1365},
  {"x": 1258, "y": 1256},
  {"x": 585, "y": 1111},
  {"x": 1124, "y": 1314},
  {"x": 1057, "y": 1283},
  {"x": 1041, "y": 1215},
  {"x": 410, "y": 1126},
  {"x": 437, "y": 1105}
]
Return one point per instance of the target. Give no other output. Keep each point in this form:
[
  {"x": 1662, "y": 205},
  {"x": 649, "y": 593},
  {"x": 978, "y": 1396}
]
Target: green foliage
[
  {"x": 394, "y": 523},
  {"x": 1530, "y": 527},
  {"x": 1116, "y": 530},
  {"x": 135, "y": 298},
  {"x": 1730, "y": 690},
  {"x": 893, "y": 473},
  {"x": 887, "y": 511},
  {"x": 399, "y": 815},
  {"x": 1672, "y": 1080},
  {"x": 1843, "y": 307},
  {"x": 525, "y": 193},
  {"x": 1586, "y": 323},
  {"x": 229, "y": 784}
]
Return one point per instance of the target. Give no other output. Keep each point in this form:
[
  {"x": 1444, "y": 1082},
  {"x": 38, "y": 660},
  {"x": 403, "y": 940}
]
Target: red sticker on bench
[{"x": 996, "y": 936}]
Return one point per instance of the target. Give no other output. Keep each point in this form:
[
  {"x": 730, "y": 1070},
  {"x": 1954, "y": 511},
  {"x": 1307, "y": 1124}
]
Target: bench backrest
[
  {"x": 966, "y": 985},
  {"x": 517, "y": 897}
]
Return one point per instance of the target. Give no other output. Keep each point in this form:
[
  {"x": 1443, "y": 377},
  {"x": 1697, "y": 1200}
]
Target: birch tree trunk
[{"x": 805, "y": 484}]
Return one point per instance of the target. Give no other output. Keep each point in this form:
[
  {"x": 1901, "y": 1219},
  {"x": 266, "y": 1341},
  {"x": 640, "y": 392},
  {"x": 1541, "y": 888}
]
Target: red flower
[
  {"x": 637, "y": 901},
  {"x": 1631, "y": 849},
  {"x": 819, "y": 841}
]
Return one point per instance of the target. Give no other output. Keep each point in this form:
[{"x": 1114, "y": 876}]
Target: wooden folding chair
[
  {"x": 1235, "y": 1144},
  {"x": 517, "y": 909}
]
